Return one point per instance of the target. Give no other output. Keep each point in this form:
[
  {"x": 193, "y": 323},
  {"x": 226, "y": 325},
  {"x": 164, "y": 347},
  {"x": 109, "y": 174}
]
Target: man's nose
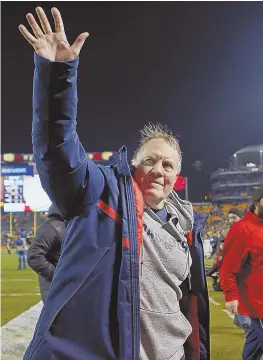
[{"x": 158, "y": 168}]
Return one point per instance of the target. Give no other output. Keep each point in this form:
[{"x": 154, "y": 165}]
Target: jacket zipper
[
  {"x": 142, "y": 255},
  {"x": 134, "y": 265}
]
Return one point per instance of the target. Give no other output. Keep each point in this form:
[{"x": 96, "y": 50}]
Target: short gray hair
[{"x": 158, "y": 131}]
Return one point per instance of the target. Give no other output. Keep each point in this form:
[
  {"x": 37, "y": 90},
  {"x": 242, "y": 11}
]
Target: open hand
[{"x": 51, "y": 45}]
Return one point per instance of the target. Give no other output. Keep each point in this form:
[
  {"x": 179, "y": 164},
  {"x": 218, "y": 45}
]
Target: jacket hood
[{"x": 183, "y": 210}]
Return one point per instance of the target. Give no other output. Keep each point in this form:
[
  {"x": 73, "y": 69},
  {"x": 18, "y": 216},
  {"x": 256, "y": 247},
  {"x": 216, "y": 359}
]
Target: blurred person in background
[
  {"x": 234, "y": 215},
  {"x": 44, "y": 253},
  {"x": 21, "y": 250},
  {"x": 241, "y": 274},
  {"x": 22, "y": 234},
  {"x": 8, "y": 246}
]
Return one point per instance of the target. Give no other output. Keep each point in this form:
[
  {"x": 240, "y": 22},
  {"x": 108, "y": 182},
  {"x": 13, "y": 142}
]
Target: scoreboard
[
  {"x": 13, "y": 193},
  {"x": 22, "y": 190}
]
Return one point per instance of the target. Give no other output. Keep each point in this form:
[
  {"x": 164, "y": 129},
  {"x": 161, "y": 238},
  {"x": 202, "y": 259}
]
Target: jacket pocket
[{"x": 163, "y": 334}]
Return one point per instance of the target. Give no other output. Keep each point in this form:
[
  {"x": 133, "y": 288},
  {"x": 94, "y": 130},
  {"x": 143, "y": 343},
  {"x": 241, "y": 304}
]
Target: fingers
[
  {"x": 30, "y": 38},
  {"x": 59, "y": 26},
  {"x": 43, "y": 20},
  {"x": 79, "y": 42},
  {"x": 232, "y": 309},
  {"x": 34, "y": 25}
]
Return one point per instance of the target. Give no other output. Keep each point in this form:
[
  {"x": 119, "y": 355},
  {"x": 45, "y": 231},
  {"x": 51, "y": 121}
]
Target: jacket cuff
[
  {"x": 231, "y": 297},
  {"x": 41, "y": 62},
  {"x": 51, "y": 273}
]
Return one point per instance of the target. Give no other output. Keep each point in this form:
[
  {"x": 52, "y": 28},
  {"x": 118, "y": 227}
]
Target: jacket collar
[
  {"x": 120, "y": 162},
  {"x": 253, "y": 218}
]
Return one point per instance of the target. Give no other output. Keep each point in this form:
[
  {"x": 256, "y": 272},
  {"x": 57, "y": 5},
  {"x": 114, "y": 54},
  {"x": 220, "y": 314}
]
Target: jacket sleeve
[
  {"x": 65, "y": 171},
  {"x": 37, "y": 253},
  {"x": 234, "y": 253}
]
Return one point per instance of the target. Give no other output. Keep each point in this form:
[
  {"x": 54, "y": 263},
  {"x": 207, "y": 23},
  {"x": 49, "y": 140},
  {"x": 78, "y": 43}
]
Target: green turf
[
  {"x": 16, "y": 282},
  {"x": 226, "y": 340}
]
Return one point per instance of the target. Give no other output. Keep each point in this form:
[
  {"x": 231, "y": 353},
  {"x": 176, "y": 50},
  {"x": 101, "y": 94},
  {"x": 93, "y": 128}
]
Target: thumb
[{"x": 79, "y": 42}]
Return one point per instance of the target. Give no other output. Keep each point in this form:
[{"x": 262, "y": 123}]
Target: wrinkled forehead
[{"x": 159, "y": 149}]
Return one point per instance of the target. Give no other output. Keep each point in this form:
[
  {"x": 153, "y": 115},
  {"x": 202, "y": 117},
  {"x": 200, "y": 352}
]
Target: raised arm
[{"x": 64, "y": 169}]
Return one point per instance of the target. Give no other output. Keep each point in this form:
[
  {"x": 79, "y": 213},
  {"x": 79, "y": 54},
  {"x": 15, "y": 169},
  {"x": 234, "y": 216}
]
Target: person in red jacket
[{"x": 241, "y": 273}]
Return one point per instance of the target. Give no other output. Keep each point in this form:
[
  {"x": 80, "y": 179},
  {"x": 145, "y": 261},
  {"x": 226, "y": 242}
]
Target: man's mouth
[{"x": 156, "y": 182}]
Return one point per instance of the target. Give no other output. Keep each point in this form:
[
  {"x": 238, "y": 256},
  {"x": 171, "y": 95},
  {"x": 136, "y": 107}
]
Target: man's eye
[
  {"x": 148, "y": 162},
  {"x": 167, "y": 165}
]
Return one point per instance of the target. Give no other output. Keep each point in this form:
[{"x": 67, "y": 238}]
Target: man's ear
[{"x": 132, "y": 169}]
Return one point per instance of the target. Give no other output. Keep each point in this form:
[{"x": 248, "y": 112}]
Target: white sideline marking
[
  {"x": 25, "y": 294},
  {"x": 17, "y": 333},
  {"x": 224, "y": 310},
  {"x": 214, "y": 302},
  {"x": 228, "y": 313}
]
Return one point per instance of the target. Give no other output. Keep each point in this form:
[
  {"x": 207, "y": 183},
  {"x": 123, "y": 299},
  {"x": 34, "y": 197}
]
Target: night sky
[{"x": 196, "y": 67}]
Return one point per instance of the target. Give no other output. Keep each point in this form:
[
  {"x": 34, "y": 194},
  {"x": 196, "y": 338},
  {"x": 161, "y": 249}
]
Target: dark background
[{"x": 194, "y": 66}]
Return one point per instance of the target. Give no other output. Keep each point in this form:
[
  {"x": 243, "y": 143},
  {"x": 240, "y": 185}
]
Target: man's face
[
  {"x": 233, "y": 218},
  {"x": 259, "y": 209},
  {"x": 156, "y": 171}
]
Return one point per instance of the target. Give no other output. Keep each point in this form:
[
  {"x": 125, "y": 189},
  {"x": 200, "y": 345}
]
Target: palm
[{"x": 51, "y": 45}]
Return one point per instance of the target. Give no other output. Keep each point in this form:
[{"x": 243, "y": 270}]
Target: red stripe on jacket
[
  {"x": 126, "y": 242},
  {"x": 139, "y": 205},
  {"x": 107, "y": 209}
]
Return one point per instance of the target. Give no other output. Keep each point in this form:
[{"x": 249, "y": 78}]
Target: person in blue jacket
[
  {"x": 21, "y": 249},
  {"x": 130, "y": 282}
]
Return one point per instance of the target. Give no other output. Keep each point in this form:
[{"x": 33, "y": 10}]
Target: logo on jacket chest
[{"x": 167, "y": 240}]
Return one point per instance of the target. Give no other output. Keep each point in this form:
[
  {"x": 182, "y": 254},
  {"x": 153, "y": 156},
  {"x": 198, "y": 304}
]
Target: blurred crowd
[
  {"x": 217, "y": 224},
  {"x": 21, "y": 222}
]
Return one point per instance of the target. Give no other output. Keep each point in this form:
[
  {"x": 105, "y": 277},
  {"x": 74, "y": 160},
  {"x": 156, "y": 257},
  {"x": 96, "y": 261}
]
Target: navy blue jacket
[{"x": 92, "y": 310}]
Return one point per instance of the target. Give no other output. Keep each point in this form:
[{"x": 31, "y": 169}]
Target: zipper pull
[
  {"x": 189, "y": 282},
  {"x": 141, "y": 267}
]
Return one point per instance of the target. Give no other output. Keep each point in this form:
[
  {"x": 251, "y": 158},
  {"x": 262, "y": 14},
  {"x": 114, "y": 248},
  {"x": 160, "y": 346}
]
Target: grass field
[
  {"x": 19, "y": 288},
  {"x": 20, "y": 291}
]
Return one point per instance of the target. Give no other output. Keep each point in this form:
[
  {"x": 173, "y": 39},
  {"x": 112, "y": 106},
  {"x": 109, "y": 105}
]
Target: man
[
  {"x": 44, "y": 253},
  {"x": 234, "y": 215},
  {"x": 21, "y": 249},
  {"x": 22, "y": 234},
  {"x": 242, "y": 273},
  {"x": 8, "y": 246},
  {"x": 102, "y": 304},
  {"x": 242, "y": 321}
]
